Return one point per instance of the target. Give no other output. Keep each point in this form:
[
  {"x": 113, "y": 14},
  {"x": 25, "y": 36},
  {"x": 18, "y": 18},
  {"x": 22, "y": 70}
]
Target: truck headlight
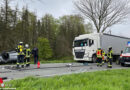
[{"x": 120, "y": 56}]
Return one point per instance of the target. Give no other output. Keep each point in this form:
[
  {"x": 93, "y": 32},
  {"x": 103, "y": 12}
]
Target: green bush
[{"x": 45, "y": 51}]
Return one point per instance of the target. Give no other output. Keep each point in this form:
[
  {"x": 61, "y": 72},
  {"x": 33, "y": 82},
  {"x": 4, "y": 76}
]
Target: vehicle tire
[
  {"x": 5, "y": 56},
  {"x": 94, "y": 59},
  {"x": 122, "y": 64}
]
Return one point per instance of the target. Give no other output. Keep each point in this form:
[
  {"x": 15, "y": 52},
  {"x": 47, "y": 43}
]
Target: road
[{"x": 48, "y": 70}]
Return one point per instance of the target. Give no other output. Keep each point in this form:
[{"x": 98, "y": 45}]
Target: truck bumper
[
  {"x": 83, "y": 59},
  {"x": 125, "y": 61}
]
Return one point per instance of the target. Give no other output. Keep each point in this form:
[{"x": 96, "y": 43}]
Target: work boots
[
  {"x": 17, "y": 67},
  {"x": 27, "y": 65},
  {"x": 109, "y": 66}
]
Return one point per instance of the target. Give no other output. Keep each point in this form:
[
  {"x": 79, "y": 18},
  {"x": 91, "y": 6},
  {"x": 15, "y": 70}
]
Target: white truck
[{"x": 85, "y": 46}]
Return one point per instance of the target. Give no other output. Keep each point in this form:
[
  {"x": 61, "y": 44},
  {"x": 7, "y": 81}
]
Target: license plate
[{"x": 127, "y": 62}]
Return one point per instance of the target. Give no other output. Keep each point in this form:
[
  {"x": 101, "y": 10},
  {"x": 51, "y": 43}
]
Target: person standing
[
  {"x": 99, "y": 57},
  {"x": 20, "y": 50},
  {"x": 35, "y": 54},
  {"x": 27, "y": 55},
  {"x": 103, "y": 56},
  {"x": 110, "y": 57}
]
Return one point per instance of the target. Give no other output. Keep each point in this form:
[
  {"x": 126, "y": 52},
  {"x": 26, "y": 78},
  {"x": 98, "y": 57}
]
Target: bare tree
[{"x": 104, "y": 13}]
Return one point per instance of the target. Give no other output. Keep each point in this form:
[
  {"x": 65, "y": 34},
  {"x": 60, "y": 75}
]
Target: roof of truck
[
  {"x": 84, "y": 35},
  {"x": 116, "y": 36}
]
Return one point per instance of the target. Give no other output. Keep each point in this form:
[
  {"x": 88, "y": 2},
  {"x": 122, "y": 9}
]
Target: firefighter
[
  {"x": 27, "y": 52},
  {"x": 99, "y": 57},
  {"x": 20, "y": 50},
  {"x": 110, "y": 57},
  {"x": 103, "y": 56}
]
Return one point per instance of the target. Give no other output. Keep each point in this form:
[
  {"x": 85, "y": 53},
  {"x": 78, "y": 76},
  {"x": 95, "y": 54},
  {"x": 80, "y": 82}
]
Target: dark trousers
[
  {"x": 109, "y": 62},
  {"x": 35, "y": 59},
  {"x": 27, "y": 61},
  {"x": 99, "y": 61},
  {"x": 20, "y": 60}
]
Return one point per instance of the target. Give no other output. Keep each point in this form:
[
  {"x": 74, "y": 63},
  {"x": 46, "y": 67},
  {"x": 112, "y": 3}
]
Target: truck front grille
[
  {"x": 127, "y": 59},
  {"x": 79, "y": 54}
]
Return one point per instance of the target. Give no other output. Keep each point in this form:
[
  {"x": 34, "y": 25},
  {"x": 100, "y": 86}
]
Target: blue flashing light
[{"x": 128, "y": 43}]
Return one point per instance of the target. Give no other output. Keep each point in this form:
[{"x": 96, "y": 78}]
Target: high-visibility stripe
[
  {"x": 28, "y": 52},
  {"x": 110, "y": 54},
  {"x": 103, "y": 54},
  {"x": 27, "y": 62},
  {"x": 110, "y": 65}
]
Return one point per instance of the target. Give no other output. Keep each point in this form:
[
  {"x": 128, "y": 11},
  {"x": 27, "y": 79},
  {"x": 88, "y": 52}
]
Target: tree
[
  {"x": 8, "y": 19},
  {"x": 45, "y": 51},
  {"x": 88, "y": 28},
  {"x": 49, "y": 29},
  {"x": 70, "y": 27},
  {"x": 104, "y": 13}
]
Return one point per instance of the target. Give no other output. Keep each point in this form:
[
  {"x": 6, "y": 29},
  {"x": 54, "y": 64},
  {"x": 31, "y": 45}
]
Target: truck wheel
[
  {"x": 122, "y": 64},
  {"x": 94, "y": 59}
]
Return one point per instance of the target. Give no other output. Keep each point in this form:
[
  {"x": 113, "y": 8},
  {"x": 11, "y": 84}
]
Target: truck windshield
[
  {"x": 81, "y": 43},
  {"x": 127, "y": 50}
]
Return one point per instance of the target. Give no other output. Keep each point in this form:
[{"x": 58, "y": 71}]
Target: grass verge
[{"x": 100, "y": 80}]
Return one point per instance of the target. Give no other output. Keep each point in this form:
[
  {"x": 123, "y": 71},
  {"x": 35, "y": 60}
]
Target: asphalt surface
[{"x": 49, "y": 70}]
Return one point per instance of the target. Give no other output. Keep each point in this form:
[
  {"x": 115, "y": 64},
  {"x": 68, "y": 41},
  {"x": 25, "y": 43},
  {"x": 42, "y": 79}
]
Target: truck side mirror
[{"x": 121, "y": 51}]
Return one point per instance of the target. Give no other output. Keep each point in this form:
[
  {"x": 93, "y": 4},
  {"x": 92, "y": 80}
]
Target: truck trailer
[{"x": 85, "y": 46}]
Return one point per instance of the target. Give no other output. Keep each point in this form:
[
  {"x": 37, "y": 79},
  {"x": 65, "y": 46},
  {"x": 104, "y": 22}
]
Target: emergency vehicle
[{"x": 125, "y": 56}]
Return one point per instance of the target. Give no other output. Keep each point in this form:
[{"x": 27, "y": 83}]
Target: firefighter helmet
[
  {"x": 20, "y": 42},
  {"x": 26, "y": 45}
]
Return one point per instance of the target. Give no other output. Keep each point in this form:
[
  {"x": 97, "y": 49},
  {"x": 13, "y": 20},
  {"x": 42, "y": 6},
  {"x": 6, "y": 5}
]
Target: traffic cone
[
  {"x": 1, "y": 83},
  {"x": 38, "y": 64}
]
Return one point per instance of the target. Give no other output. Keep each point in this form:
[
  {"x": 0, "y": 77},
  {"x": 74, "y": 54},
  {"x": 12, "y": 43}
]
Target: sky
[{"x": 59, "y": 8}]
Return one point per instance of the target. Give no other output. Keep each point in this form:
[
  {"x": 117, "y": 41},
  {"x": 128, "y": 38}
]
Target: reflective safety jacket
[
  {"x": 27, "y": 52},
  {"x": 103, "y": 53},
  {"x": 110, "y": 53},
  {"x": 20, "y": 50},
  {"x": 99, "y": 53}
]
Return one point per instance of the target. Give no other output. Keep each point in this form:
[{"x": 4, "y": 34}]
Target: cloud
[
  {"x": 64, "y": 7},
  {"x": 55, "y": 7}
]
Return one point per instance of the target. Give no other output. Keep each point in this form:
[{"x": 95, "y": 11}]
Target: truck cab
[
  {"x": 85, "y": 46},
  {"x": 125, "y": 57}
]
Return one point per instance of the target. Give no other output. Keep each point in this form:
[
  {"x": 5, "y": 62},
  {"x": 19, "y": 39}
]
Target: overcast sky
[{"x": 65, "y": 7}]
